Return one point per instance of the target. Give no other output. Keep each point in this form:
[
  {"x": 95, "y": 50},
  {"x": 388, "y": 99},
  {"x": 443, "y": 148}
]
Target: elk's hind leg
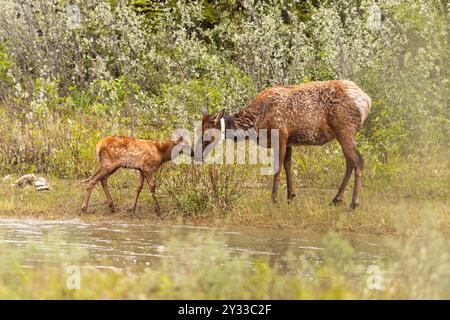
[
  {"x": 287, "y": 168},
  {"x": 358, "y": 175},
  {"x": 281, "y": 148},
  {"x": 138, "y": 190},
  {"x": 354, "y": 162},
  {"x": 348, "y": 173}
]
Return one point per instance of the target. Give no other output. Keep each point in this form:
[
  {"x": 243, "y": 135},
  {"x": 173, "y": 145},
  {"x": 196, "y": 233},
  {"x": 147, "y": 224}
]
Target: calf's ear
[{"x": 204, "y": 111}]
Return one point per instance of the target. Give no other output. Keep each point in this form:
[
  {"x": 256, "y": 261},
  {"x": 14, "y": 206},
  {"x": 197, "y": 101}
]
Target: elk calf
[{"x": 146, "y": 156}]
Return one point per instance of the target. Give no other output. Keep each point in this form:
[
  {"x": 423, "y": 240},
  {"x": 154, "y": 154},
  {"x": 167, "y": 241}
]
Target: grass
[{"x": 397, "y": 208}]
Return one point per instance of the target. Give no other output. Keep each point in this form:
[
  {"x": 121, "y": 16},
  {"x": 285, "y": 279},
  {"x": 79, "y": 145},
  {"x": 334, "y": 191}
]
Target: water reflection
[{"x": 117, "y": 244}]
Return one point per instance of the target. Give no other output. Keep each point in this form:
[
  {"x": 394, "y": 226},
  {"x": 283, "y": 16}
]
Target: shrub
[{"x": 195, "y": 189}]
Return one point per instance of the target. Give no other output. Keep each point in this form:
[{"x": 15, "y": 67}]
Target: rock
[
  {"x": 25, "y": 180},
  {"x": 7, "y": 178},
  {"x": 40, "y": 184}
]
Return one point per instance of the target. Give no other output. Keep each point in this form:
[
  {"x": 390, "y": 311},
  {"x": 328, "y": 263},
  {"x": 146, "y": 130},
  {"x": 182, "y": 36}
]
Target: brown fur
[
  {"x": 307, "y": 114},
  {"x": 146, "y": 156}
]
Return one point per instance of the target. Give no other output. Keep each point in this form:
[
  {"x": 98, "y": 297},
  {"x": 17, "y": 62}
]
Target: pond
[{"x": 118, "y": 245}]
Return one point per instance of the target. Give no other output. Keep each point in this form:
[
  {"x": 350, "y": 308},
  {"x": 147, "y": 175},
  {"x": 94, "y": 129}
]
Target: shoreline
[
  {"x": 396, "y": 211},
  {"x": 335, "y": 219}
]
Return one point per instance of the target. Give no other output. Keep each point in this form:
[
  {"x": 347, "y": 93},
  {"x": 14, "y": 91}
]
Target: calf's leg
[
  {"x": 109, "y": 199},
  {"x": 152, "y": 187},
  {"x": 139, "y": 186},
  {"x": 99, "y": 175}
]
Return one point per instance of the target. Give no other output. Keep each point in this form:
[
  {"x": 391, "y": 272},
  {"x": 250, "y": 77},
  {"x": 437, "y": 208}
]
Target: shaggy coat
[{"x": 307, "y": 114}]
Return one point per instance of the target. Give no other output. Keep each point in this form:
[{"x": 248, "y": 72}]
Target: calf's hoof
[
  {"x": 337, "y": 201},
  {"x": 83, "y": 210}
]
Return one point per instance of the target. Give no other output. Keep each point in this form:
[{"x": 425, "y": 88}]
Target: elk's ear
[
  {"x": 219, "y": 115},
  {"x": 180, "y": 139},
  {"x": 204, "y": 111}
]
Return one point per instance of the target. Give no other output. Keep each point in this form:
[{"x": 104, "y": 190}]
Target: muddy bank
[{"x": 379, "y": 213}]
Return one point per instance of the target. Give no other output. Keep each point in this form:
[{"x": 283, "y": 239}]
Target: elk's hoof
[
  {"x": 83, "y": 210},
  {"x": 336, "y": 201},
  {"x": 274, "y": 197},
  {"x": 354, "y": 205},
  {"x": 291, "y": 197}
]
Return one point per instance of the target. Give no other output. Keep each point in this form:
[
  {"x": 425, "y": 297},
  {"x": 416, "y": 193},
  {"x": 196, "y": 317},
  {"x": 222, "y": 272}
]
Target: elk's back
[{"x": 312, "y": 113}]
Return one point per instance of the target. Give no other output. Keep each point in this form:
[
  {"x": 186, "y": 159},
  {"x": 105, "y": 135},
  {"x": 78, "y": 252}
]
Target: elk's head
[{"x": 209, "y": 122}]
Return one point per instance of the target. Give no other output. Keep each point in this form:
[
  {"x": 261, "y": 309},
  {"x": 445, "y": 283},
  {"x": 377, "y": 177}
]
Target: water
[{"x": 118, "y": 245}]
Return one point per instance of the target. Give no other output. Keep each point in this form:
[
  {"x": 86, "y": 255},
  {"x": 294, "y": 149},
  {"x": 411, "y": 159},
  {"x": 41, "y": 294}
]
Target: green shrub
[{"x": 196, "y": 189}]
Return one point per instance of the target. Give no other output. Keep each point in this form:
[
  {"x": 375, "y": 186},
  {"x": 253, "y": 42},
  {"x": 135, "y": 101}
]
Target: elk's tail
[{"x": 360, "y": 99}]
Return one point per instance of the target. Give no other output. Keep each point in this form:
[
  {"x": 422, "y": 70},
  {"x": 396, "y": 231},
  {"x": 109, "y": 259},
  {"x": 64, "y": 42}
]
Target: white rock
[
  {"x": 30, "y": 180},
  {"x": 40, "y": 184},
  {"x": 25, "y": 180}
]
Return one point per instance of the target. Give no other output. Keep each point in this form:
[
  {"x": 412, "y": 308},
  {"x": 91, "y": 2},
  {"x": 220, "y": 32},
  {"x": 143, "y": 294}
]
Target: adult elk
[
  {"x": 307, "y": 114},
  {"x": 146, "y": 156}
]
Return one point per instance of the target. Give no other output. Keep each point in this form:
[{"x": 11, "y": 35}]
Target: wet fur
[
  {"x": 307, "y": 114},
  {"x": 115, "y": 152}
]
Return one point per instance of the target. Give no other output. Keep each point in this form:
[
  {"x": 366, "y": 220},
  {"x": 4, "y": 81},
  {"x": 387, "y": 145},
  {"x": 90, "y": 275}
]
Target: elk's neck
[{"x": 243, "y": 120}]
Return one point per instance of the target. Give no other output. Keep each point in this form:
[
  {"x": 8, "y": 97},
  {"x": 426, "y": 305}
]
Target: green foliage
[{"x": 144, "y": 68}]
